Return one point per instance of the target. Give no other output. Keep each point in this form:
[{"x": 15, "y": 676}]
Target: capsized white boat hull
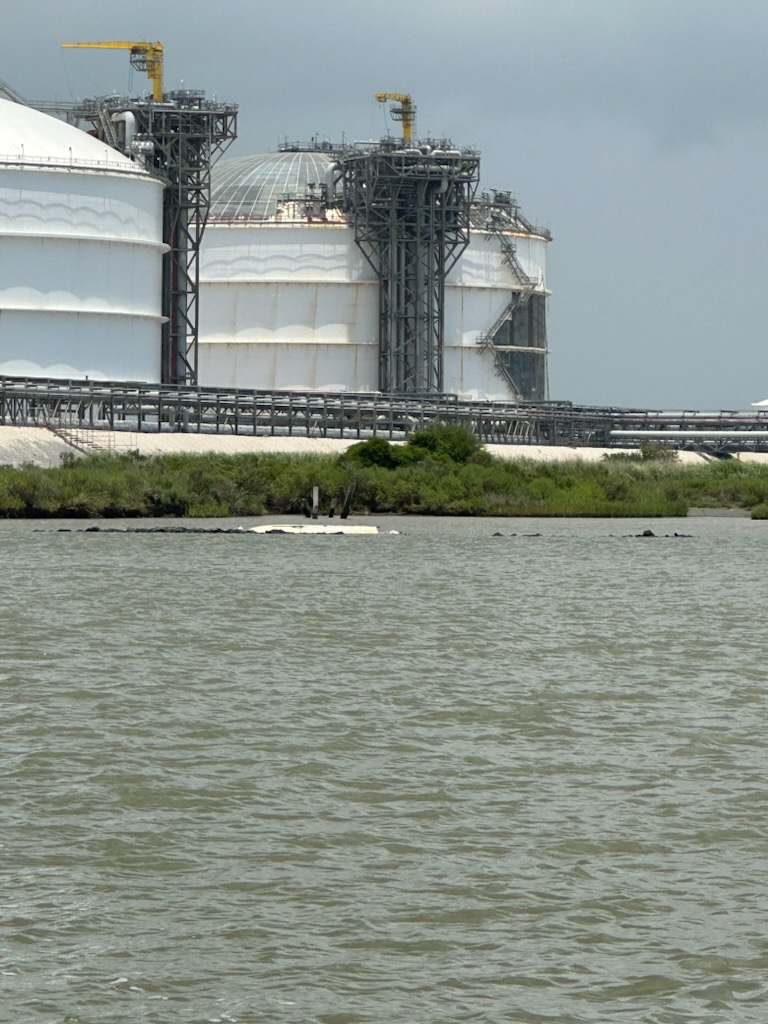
[{"x": 316, "y": 528}]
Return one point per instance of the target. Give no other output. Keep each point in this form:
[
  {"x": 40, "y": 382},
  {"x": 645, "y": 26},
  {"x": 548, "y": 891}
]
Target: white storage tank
[
  {"x": 81, "y": 254},
  {"x": 288, "y": 300}
]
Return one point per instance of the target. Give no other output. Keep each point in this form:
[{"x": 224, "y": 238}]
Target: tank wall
[
  {"x": 84, "y": 203},
  {"x": 288, "y": 306},
  {"x": 78, "y": 345},
  {"x": 292, "y": 365},
  {"x": 80, "y": 289},
  {"x": 303, "y": 312},
  {"x": 477, "y": 292},
  {"x": 481, "y": 266},
  {"x": 71, "y": 274},
  {"x": 470, "y": 373},
  {"x": 297, "y": 306},
  {"x": 283, "y": 252},
  {"x": 471, "y": 311}
]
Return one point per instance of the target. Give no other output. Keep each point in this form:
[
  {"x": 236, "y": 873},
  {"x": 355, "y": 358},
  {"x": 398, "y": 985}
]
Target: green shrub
[
  {"x": 456, "y": 443},
  {"x": 657, "y": 451},
  {"x": 431, "y": 474},
  {"x": 376, "y": 451}
]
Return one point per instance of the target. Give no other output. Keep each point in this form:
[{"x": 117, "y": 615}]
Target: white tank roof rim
[{"x": 30, "y": 138}]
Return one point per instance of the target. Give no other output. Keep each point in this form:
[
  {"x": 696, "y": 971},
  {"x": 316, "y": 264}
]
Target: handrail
[{"x": 71, "y": 163}]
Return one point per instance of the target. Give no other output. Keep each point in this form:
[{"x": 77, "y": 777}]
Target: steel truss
[
  {"x": 410, "y": 208},
  {"x": 146, "y": 408},
  {"x": 180, "y": 139}
]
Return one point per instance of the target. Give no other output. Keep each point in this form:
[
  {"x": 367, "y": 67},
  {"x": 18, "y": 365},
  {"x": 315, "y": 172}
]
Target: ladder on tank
[{"x": 520, "y": 297}]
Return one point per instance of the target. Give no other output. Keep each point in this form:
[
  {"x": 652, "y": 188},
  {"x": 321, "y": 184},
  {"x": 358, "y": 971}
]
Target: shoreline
[
  {"x": 39, "y": 446},
  {"x": 442, "y": 471}
]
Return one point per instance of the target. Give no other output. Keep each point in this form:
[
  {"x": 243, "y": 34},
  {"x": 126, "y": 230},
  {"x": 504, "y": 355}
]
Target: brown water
[{"x": 434, "y": 777}]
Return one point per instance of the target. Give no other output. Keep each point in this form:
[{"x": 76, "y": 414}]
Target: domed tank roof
[
  {"x": 30, "y": 137},
  {"x": 250, "y": 187}
]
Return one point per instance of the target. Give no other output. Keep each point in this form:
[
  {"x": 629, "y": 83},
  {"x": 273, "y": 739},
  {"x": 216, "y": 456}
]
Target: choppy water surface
[{"x": 435, "y": 777}]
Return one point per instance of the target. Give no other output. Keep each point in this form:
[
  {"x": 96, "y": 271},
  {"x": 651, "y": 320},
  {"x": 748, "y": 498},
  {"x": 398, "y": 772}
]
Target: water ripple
[{"x": 440, "y": 777}]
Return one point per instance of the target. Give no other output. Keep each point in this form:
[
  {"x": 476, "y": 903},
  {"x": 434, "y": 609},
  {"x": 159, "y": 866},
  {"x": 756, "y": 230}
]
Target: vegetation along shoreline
[{"x": 440, "y": 471}]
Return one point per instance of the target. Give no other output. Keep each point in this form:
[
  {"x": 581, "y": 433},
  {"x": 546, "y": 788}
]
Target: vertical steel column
[
  {"x": 410, "y": 209},
  {"x": 179, "y": 140},
  {"x": 187, "y": 134}
]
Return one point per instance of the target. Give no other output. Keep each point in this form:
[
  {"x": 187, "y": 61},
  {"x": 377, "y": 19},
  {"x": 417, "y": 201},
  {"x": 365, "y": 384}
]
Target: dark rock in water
[
  {"x": 658, "y": 536},
  {"x": 162, "y": 529},
  {"x": 497, "y": 534}
]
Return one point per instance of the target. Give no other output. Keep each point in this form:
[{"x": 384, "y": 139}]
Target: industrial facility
[
  {"x": 150, "y": 283},
  {"x": 377, "y": 267},
  {"x": 168, "y": 141}
]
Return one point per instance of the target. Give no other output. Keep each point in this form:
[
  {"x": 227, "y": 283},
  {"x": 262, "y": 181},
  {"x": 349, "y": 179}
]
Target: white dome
[
  {"x": 251, "y": 187},
  {"x": 82, "y": 244},
  {"x": 28, "y": 136}
]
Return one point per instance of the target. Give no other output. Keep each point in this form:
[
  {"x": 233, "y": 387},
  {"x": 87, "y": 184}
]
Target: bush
[
  {"x": 658, "y": 452},
  {"x": 431, "y": 474},
  {"x": 651, "y": 452},
  {"x": 376, "y": 451},
  {"x": 457, "y": 444}
]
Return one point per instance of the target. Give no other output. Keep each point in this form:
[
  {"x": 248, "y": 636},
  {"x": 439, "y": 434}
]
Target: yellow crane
[
  {"x": 406, "y": 112},
  {"x": 144, "y": 57}
]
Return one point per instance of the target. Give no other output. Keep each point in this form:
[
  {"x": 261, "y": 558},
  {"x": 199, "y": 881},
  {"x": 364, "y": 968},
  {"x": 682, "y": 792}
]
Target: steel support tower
[
  {"x": 178, "y": 139},
  {"x": 410, "y": 207}
]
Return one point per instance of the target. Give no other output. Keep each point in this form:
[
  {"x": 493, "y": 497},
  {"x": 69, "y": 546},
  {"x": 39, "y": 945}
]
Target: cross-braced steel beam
[
  {"x": 182, "y": 138},
  {"x": 411, "y": 213},
  {"x": 179, "y": 139}
]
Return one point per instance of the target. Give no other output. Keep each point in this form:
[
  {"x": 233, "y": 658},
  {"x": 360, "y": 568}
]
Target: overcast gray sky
[{"x": 637, "y": 130}]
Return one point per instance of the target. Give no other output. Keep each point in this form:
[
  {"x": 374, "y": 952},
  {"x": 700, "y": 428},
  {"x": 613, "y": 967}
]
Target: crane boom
[
  {"x": 144, "y": 57},
  {"x": 406, "y": 112}
]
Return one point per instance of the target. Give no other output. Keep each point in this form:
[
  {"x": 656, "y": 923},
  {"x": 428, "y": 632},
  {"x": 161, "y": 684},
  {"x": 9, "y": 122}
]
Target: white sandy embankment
[{"x": 41, "y": 447}]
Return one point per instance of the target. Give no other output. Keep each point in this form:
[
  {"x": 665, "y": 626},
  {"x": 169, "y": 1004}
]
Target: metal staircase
[
  {"x": 486, "y": 340},
  {"x": 84, "y": 440}
]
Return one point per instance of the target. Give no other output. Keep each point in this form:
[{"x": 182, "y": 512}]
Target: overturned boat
[{"x": 315, "y": 528}]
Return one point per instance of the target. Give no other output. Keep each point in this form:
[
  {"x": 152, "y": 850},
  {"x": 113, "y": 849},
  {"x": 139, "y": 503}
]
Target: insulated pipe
[
  {"x": 128, "y": 120},
  {"x": 330, "y": 184},
  {"x": 668, "y": 435}
]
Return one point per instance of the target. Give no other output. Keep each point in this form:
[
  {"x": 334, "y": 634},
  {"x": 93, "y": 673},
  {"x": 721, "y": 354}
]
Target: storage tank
[
  {"x": 81, "y": 228},
  {"x": 288, "y": 300}
]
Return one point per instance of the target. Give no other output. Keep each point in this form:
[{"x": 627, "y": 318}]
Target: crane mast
[
  {"x": 406, "y": 112},
  {"x": 147, "y": 57}
]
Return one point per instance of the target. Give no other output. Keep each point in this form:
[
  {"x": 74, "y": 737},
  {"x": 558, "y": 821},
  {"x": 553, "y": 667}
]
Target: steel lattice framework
[
  {"x": 410, "y": 208},
  {"x": 180, "y": 139},
  {"x": 90, "y": 408}
]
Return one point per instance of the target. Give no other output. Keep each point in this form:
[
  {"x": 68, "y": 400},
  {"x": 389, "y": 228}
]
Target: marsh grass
[{"x": 446, "y": 475}]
